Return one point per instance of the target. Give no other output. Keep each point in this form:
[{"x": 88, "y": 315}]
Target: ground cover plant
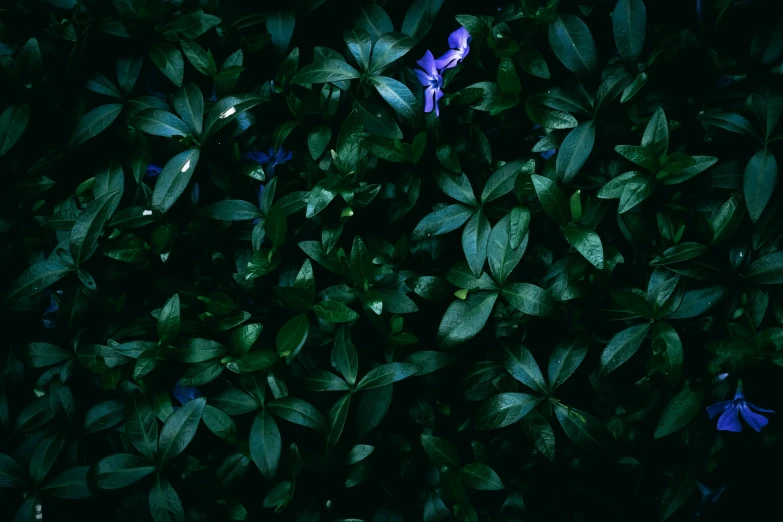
[{"x": 401, "y": 260}]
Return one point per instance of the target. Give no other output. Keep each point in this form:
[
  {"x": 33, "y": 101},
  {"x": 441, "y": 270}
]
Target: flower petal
[
  {"x": 427, "y": 63},
  {"x": 717, "y": 408},
  {"x": 729, "y": 421},
  {"x": 764, "y": 410},
  {"x": 449, "y": 59},
  {"x": 753, "y": 419},
  {"x": 459, "y": 38},
  {"x": 429, "y": 99},
  {"x": 257, "y": 156},
  {"x": 424, "y": 79}
]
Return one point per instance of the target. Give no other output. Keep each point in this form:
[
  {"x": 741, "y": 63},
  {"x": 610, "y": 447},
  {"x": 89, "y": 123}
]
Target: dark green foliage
[{"x": 246, "y": 277}]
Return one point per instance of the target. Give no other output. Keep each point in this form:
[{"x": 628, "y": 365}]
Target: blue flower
[
  {"x": 432, "y": 82},
  {"x": 49, "y": 316},
  {"x": 459, "y": 41},
  {"x": 185, "y": 394},
  {"x": 708, "y": 496},
  {"x": 152, "y": 170},
  {"x": 269, "y": 160},
  {"x": 730, "y": 410},
  {"x": 547, "y": 153}
]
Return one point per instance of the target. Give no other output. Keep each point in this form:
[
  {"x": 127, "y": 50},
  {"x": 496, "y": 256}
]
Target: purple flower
[
  {"x": 730, "y": 410},
  {"x": 185, "y": 394},
  {"x": 708, "y": 496},
  {"x": 49, "y": 316},
  {"x": 270, "y": 159},
  {"x": 432, "y": 82},
  {"x": 459, "y": 41},
  {"x": 152, "y": 170}
]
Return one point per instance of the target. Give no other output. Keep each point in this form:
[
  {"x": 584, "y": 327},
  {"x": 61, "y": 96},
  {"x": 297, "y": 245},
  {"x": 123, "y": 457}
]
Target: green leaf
[
  {"x": 508, "y": 79},
  {"x": 767, "y": 270},
  {"x": 386, "y": 374},
  {"x": 219, "y": 423},
  {"x": 645, "y": 157},
  {"x": 360, "y": 46},
  {"x": 165, "y": 505},
  {"x": 457, "y": 187},
  {"x": 696, "y": 302},
  {"x": 41, "y": 355},
  {"x": 389, "y": 48},
  {"x": 13, "y": 123},
  {"x": 430, "y": 361},
  {"x": 759, "y": 181},
  {"x": 728, "y": 217},
  {"x": 656, "y": 134},
  {"x": 160, "y": 123},
  {"x": 420, "y": 16},
  {"x": 572, "y": 43},
  {"x": 169, "y": 320},
  {"x": 666, "y": 343},
  {"x": 540, "y": 432},
  {"x": 234, "y": 401},
  {"x": 190, "y": 25},
  {"x": 174, "y": 179},
  {"x": 320, "y": 196},
  {"x": 587, "y": 243},
  {"x": 141, "y": 425},
  {"x": 89, "y": 226},
  {"x": 680, "y": 410},
  {"x": 374, "y": 20},
  {"x": 292, "y": 336},
  {"x": 265, "y": 445},
  {"x": 120, "y": 471},
  {"x": 518, "y": 224},
  {"x": 501, "y": 182},
  {"x": 281, "y": 26},
  {"x": 189, "y": 104},
  {"x": 11, "y": 475},
  {"x": 575, "y": 150},
  {"x": 337, "y": 416},
  {"x": 318, "y": 140},
  {"x": 464, "y": 319},
  {"x": 227, "y": 109},
  {"x": 361, "y": 265},
  {"x": 552, "y": 200},
  {"x": 634, "y": 87},
  {"x": 45, "y": 455},
  {"x": 621, "y": 347},
  {"x": 565, "y": 359},
  {"x": 169, "y": 60},
  {"x": 299, "y": 412},
  {"x": 635, "y": 191},
  {"x": 480, "y": 476},
  {"x": 583, "y": 429},
  {"x": 678, "y": 253},
  {"x": 254, "y": 361},
  {"x": 70, "y": 484},
  {"x": 440, "y": 451},
  {"x": 475, "y": 239},
  {"x": 679, "y": 490},
  {"x": 629, "y": 24},
  {"x": 530, "y": 299},
  {"x": 397, "y": 95},
  {"x": 345, "y": 357},
  {"x": 502, "y": 256},
  {"x": 335, "y": 312},
  {"x": 276, "y": 226},
  {"x": 522, "y": 366},
  {"x": 104, "y": 415},
  {"x": 232, "y": 210},
  {"x": 179, "y": 429},
  {"x": 321, "y": 380},
  {"x": 95, "y": 122},
  {"x": 531, "y": 61},
  {"x": 504, "y": 409},
  {"x": 128, "y": 70},
  {"x": 199, "y": 350},
  {"x": 325, "y": 71},
  {"x": 728, "y": 121},
  {"x": 442, "y": 221}
]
